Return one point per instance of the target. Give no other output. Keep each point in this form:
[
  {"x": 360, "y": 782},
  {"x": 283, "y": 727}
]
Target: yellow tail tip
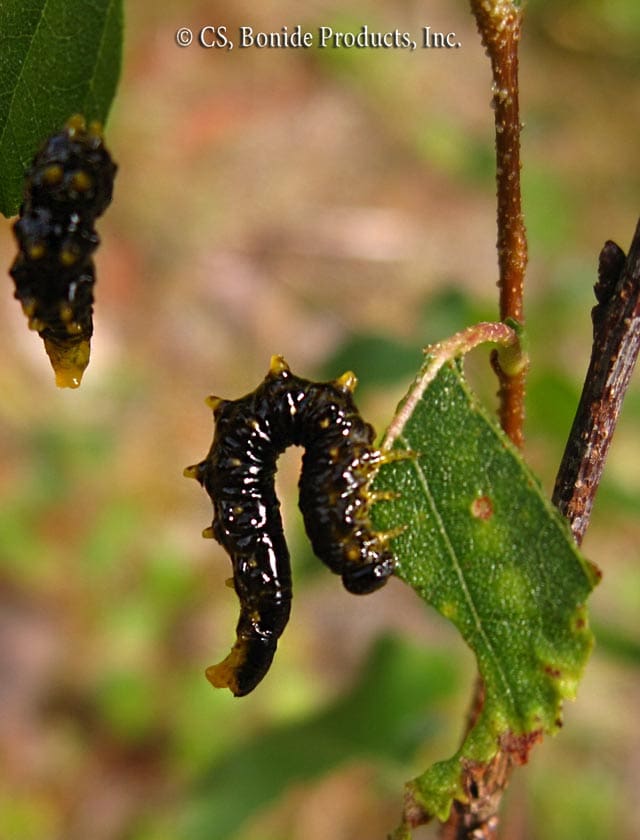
[{"x": 69, "y": 361}]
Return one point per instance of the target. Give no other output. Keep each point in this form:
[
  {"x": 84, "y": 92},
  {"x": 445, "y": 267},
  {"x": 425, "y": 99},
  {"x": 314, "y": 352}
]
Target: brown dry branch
[
  {"x": 484, "y": 785},
  {"x": 616, "y": 342}
]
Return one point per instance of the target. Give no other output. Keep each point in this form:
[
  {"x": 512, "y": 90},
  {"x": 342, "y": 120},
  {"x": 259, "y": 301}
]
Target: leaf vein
[{"x": 455, "y": 563}]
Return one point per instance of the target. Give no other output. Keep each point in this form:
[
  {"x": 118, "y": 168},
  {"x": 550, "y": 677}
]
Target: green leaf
[
  {"x": 57, "y": 58},
  {"x": 386, "y": 715},
  {"x": 485, "y": 547}
]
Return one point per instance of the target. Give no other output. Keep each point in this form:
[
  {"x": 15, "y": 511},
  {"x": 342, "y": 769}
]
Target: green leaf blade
[
  {"x": 57, "y": 58},
  {"x": 486, "y": 548}
]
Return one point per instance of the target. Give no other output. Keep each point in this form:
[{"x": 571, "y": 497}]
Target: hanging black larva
[
  {"x": 68, "y": 186},
  {"x": 338, "y": 466}
]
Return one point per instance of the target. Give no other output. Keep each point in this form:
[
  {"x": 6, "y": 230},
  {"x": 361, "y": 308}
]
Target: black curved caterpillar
[
  {"x": 69, "y": 184},
  {"x": 338, "y": 466}
]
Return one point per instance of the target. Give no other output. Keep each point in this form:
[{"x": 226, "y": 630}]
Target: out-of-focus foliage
[{"x": 392, "y": 707}]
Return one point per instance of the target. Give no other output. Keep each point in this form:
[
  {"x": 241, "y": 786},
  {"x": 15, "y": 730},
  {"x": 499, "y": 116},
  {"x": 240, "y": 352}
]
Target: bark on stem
[
  {"x": 499, "y": 23},
  {"x": 616, "y": 342}
]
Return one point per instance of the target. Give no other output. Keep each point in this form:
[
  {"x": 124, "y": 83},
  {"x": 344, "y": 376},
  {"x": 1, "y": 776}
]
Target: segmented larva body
[
  {"x": 68, "y": 186},
  {"x": 338, "y": 466}
]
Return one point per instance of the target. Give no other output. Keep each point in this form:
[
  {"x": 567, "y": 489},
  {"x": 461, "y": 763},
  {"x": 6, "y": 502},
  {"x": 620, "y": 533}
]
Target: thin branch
[
  {"x": 616, "y": 342},
  {"x": 499, "y": 23}
]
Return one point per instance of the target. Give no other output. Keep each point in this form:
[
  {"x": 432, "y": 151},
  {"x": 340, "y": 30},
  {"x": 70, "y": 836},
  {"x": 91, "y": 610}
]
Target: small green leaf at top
[
  {"x": 57, "y": 58},
  {"x": 484, "y": 546}
]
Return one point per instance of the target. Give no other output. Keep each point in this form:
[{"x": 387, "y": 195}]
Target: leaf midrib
[{"x": 457, "y": 567}]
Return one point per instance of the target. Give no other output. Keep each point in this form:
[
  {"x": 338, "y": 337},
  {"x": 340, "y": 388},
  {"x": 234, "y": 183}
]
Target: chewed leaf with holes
[{"x": 485, "y": 547}]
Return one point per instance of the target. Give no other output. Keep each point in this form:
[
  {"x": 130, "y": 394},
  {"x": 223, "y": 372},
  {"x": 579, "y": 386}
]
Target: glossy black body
[
  {"x": 69, "y": 184},
  {"x": 338, "y": 464}
]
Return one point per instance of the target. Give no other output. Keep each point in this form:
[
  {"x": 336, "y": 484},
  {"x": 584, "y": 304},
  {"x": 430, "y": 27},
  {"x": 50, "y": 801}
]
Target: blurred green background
[{"x": 336, "y": 207}]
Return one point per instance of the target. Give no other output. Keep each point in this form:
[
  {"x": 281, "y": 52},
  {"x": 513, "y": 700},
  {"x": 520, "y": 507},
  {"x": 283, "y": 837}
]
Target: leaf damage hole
[{"x": 482, "y": 508}]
